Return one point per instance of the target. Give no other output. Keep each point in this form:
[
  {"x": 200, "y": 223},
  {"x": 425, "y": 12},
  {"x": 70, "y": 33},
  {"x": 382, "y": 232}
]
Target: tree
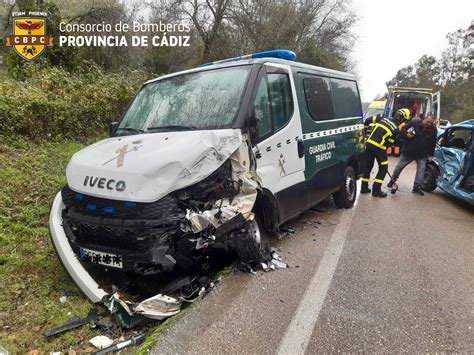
[
  {"x": 319, "y": 31},
  {"x": 455, "y": 62},
  {"x": 427, "y": 72},
  {"x": 404, "y": 77},
  {"x": 207, "y": 16},
  {"x": 452, "y": 74}
]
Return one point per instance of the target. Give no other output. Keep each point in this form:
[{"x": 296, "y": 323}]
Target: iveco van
[{"x": 213, "y": 157}]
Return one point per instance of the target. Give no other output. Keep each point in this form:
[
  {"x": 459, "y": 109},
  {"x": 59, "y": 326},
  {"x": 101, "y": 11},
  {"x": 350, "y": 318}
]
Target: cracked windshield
[{"x": 204, "y": 100}]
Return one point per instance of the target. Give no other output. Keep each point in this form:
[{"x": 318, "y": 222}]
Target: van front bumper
[{"x": 68, "y": 258}]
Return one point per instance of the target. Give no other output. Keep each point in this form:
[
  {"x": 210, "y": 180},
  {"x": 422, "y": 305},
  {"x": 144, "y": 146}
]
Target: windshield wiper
[
  {"x": 172, "y": 128},
  {"x": 129, "y": 129}
]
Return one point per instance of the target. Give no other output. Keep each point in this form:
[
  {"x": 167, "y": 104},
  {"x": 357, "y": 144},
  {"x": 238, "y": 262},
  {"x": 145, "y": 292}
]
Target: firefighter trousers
[{"x": 373, "y": 153}]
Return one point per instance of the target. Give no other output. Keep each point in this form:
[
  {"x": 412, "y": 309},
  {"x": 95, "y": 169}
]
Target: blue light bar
[{"x": 279, "y": 53}]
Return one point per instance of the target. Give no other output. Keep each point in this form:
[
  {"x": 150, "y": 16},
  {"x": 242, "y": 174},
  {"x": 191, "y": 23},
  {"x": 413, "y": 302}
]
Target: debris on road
[
  {"x": 101, "y": 342},
  {"x": 276, "y": 262},
  {"x": 159, "y": 307},
  {"x": 285, "y": 232},
  {"x": 279, "y": 264},
  {"x": 135, "y": 340},
  {"x": 75, "y": 323}
]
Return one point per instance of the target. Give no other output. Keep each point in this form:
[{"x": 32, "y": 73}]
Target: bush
[{"x": 53, "y": 103}]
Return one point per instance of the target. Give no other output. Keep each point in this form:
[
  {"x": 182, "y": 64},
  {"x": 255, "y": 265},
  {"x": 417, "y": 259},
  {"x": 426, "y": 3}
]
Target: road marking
[{"x": 301, "y": 327}]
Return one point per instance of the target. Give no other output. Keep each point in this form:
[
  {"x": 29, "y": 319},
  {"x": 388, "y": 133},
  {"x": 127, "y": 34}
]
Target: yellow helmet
[{"x": 405, "y": 113}]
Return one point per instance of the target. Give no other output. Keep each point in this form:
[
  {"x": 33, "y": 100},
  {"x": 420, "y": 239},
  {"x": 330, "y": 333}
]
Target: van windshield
[{"x": 202, "y": 100}]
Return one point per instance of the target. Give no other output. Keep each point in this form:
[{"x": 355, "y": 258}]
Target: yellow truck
[{"x": 376, "y": 107}]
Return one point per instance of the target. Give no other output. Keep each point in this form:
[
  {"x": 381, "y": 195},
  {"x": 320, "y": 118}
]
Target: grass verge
[{"x": 31, "y": 277}]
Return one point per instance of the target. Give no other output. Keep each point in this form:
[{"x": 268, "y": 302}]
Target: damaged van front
[
  {"x": 175, "y": 177},
  {"x": 215, "y": 157}
]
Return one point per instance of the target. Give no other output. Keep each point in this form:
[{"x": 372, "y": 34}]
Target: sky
[{"x": 395, "y": 33}]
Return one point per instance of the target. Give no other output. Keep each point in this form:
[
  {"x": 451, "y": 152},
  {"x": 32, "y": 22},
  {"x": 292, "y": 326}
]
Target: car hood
[{"x": 147, "y": 167}]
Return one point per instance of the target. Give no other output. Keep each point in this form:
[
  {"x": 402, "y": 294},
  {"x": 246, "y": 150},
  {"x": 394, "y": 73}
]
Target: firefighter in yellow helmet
[
  {"x": 383, "y": 135},
  {"x": 403, "y": 117}
]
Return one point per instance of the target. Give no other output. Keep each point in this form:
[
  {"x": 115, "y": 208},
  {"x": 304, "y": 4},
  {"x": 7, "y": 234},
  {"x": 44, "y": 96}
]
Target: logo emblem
[
  {"x": 29, "y": 37},
  {"x": 122, "y": 151}
]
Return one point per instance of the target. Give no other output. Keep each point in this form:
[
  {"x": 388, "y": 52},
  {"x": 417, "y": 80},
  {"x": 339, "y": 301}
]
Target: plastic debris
[
  {"x": 135, "y": 340},
  {"x": 67, "y": 295},
  {"x": 101, "y": 342},
  {"x": 276, "y": 256},
  {"x": 246, "y": 267},
  {"x": 285, "y": 232},
  {"x": 75, "y": 323},
  {"x": 159, "y": 306},
  {"x": 279, "y": 264}
]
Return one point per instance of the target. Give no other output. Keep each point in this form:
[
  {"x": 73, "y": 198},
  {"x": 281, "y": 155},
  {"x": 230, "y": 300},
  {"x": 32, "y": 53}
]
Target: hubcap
[
  {"x": 255, "y": 231},
  {"x": 350, "y": 187}
]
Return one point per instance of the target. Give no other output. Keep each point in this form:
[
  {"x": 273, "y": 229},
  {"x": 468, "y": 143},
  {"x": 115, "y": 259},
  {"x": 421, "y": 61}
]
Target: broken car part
[
  {"x": 159, "y": 307},
  {"x": 135, "y": 340},
  {"x": 76, "y": 323},
  {"x": 101, "y": 342}
]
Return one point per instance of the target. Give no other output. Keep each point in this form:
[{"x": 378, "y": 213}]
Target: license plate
[{"x": 98, "y": 257}]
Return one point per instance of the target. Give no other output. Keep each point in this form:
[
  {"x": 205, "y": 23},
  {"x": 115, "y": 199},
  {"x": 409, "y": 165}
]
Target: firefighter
[
  {"x": 402, "y": 116},
  {"x": 383, "y": 134}
]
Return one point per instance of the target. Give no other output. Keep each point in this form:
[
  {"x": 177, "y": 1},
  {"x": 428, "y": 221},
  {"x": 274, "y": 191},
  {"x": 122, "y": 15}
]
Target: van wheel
[
  {"x": 431, "y": 176},
  {"x": 253, "y": 246},
  {"x": 346, "y": 195}
]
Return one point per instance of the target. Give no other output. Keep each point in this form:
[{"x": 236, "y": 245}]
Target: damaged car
[
  {"x": 215, "y": 157},
  {"x": 452, "y": 167}
]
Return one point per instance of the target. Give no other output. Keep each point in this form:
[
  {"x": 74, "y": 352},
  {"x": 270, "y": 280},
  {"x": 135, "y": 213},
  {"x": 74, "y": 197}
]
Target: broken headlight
[{"x": 216, "y": 186}]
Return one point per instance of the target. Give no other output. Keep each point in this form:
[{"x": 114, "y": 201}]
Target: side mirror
[
  {"x": 252, "y": 124},
  {"x": 112, "y": 128}
]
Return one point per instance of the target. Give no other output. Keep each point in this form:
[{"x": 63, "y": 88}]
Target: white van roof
[{"x": 302, "y": 66}]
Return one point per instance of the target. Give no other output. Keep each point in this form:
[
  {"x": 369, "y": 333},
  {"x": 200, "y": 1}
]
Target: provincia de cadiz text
[{"x": 124, "y": 34}]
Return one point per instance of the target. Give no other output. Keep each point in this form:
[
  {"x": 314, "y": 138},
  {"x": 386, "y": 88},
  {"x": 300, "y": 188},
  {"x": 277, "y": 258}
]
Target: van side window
[
  {"x": 317, "y": 91},
  {"x": 262, "y": 110},
  {"x": 281, "y": 101},
  {"x": 345, "y": 97},
  {"x": 273, "y": 103}
]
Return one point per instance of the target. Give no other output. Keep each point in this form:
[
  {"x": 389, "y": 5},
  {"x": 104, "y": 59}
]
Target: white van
[{"x": 213, "y": 157}]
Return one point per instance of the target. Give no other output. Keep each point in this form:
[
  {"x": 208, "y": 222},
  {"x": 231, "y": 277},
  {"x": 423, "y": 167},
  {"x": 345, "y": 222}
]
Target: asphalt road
[{"x": 389, "y": 275}]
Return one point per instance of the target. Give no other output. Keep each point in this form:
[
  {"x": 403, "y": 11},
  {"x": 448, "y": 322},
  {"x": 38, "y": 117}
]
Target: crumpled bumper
[{"x": 68, "y": 258}]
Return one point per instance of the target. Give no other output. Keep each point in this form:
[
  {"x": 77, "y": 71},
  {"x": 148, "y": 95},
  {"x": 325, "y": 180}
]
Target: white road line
[{"x": 301, "y": 327}]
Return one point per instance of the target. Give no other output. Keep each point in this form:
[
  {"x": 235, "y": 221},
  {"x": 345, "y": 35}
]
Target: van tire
[
  {"x": 254, "y": 244},
  {"x": 430, "y": 179},
  {"x": 346, "y": 195}
]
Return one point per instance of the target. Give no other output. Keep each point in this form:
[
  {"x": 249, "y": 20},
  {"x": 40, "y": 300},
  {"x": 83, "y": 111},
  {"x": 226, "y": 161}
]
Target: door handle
[{"x": 300, "y": 148}]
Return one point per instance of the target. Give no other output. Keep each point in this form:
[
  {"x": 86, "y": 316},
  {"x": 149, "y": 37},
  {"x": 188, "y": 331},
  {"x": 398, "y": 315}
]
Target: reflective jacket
[{"x": 384, "y": 131}]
